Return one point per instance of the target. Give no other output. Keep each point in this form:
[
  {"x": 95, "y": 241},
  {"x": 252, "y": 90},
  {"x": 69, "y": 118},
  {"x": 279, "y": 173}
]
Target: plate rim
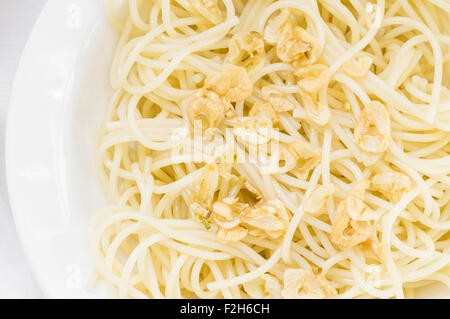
[
  {"x": 73, "y": 38},
  {"x": 12, "y": 108}
]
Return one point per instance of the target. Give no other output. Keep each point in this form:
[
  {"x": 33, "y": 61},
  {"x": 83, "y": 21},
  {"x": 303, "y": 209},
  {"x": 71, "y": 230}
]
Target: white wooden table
[{"x": 16, "y": 21}]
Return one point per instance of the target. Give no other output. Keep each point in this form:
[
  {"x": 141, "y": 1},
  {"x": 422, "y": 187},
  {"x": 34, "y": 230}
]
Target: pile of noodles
[{"x": 149, "y": 243}]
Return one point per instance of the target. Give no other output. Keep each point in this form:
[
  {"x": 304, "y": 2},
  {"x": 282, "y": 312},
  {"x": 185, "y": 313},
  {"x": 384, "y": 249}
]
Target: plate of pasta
[{"x": 187, "y": 149}]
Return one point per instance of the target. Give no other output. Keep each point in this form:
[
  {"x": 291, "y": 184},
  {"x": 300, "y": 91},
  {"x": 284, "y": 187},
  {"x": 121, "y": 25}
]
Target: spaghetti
[{"x": 276, "y": 149}]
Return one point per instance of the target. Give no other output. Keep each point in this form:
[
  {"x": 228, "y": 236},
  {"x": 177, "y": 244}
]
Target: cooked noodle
[{"x": 362, "y": 128}]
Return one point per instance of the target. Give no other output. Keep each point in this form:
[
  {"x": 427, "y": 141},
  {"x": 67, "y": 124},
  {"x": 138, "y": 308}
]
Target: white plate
[{"x": 58, "y": 100}]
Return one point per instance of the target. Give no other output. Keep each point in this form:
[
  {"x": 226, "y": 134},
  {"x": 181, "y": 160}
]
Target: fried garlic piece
[
  {"x": 268, "y": 216},
  {"x": 277, "y": 99},
  {"x": 313, "y": 78},
  {"x": 207, "y": 107},
  {"x": 254, "y": 288},
  {"x": 274, "y": 25},
  {"x": 234, "y": 204},
  {"x": 264, "y": 110},
  {"x": 200, "y": 210},
  {"x": 306, "y": 156},
  {"x": 352, "y": 222},
  {"x": 293, "y": 283},
  {"x": 266, "y": 286},
  {"x": 225, "y": 224},
  {"x": 223, "y": 210},
  {"x": 373, "y": 128},
  {"x": 358, "y": 68},
  {"x": 288, "y": 159},
  {"x": 291, "y": 45},
  {"x": 392, "y": 184},
  {"x": 208, "y": 9},
  {"x": 300, "y": 283},
  {"x": 231, "y": 235},
  {"x": 272, "y": 287},
  {"x": 208, "y": 185},
  {"x": 326, "y": 286},
  {"x": 232, "y": 83},
  {"x": 254, "y": 130},
  {"x": 253, "y": 190},
  {"x": 246, "y": 49},
  {"x": 316, "y": 201},
  {"x": 262, "y": 219},
  {"x": 347, "y": 232},
  {"x": 355, "y": 205},
  {"x": 312, "y": 55},
  {"x": 222, "y": 216},
  {"x": 257, "y": 232}
]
